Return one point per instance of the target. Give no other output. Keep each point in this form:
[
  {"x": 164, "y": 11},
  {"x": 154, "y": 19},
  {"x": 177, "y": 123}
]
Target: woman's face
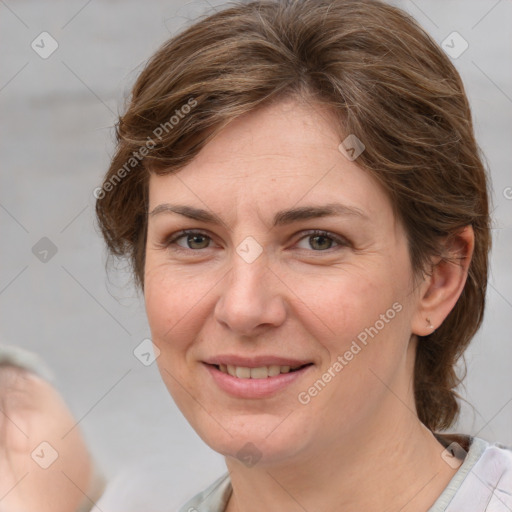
[{"x": 256, "y": 289}]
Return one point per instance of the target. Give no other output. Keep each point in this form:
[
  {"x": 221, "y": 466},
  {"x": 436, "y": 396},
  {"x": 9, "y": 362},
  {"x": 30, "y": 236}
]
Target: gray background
[{"x": 56, "y": 138}]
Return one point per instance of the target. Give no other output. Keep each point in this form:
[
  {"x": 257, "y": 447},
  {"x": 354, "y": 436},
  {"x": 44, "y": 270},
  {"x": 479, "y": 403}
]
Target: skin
[
  {"x": 302, "y": 298},
  {"x": 32, "y": 412}
]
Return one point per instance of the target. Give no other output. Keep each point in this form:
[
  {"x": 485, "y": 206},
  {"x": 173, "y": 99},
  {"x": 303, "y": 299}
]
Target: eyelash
[{"x": 342, "y": 242}]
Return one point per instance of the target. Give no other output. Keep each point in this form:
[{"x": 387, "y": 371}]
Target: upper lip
[{"x": 255, "y": 361}]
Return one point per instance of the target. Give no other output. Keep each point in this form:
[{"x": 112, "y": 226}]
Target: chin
[{"x": 253, "y": 439}]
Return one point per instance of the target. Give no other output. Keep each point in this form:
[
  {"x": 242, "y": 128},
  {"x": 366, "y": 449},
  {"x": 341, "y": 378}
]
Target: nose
[{"x": 252, "y": 298}]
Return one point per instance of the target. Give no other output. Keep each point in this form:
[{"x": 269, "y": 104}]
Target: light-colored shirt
[{"x": 483, "y": 482}]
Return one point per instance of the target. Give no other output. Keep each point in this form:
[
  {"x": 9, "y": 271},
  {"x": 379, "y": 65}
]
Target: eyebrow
[{"x": 281, "y": 218}]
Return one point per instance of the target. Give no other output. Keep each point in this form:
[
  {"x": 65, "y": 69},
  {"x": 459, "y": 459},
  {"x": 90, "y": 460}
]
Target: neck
[{"x": 393, "y": 462}]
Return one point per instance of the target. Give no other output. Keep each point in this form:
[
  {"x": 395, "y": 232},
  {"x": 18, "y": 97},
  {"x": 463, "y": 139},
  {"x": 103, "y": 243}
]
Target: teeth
[
  {"x": 274, "y": 370},
  {"x": 259, "y": 373},
  {"x": 262, "y": 372},
  {"x": 242, "y": 372}
]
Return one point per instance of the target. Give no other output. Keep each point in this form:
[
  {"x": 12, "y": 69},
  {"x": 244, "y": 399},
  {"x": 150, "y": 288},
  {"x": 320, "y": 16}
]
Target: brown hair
[{"x": 386, "y": 81}]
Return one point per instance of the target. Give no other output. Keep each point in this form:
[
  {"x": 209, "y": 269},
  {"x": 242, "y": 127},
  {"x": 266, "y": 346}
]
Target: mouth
[
  {"x": 256, "y": 378},
  {"x": 260, "y": 372}
]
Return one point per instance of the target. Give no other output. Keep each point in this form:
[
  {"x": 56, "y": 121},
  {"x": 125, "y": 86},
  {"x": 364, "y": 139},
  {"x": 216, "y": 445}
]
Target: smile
[
  {"x": 261, "y": 372},
  {"x": 255, "y": 382}
]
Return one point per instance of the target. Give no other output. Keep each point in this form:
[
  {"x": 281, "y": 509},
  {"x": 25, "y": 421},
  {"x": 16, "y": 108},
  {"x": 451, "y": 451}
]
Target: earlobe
[{"x": 443, "y": 286}]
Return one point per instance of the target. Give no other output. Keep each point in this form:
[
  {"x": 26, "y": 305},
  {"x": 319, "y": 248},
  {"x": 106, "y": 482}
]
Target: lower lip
[{"x": 254, "y": 388}]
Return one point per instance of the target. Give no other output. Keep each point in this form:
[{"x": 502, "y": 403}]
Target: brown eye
[
  {"x": 196, "y": 241},
  {"x": 321, "y": 241},
  {"x": 191, "y": 240}
]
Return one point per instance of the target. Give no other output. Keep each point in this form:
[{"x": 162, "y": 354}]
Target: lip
[
  {"x": 255, "y": 388},
  {"x": 256, "y": 361}
]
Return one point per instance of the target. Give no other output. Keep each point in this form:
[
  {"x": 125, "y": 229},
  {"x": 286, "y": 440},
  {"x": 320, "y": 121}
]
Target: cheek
[
  {"x": 175, "y": 305},
  {"x": 171, "y": 315},
  {"x": 351, "y": 300},
  {"x": 366, "y": 312}
]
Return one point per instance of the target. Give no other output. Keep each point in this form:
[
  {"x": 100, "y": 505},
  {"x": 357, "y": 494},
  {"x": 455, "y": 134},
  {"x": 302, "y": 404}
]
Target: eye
[
  {"x": 322, "y": 241},
  {"x": 192, "y": 240}
]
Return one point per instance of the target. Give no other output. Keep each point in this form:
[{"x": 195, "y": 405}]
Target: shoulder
[
  {"x": 483, "y": 481},
  {"x": 489, "y": 483},
  {"x": 212, "y": 499}
]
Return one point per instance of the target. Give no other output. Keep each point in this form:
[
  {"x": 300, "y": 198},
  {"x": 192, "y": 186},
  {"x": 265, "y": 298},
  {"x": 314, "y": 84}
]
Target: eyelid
[
  {"x": 338, "y": 239},
  {"x": 179, "y": 234}
]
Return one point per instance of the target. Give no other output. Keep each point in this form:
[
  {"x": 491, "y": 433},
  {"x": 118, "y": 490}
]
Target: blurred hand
[{"x": 44, "y": 462}]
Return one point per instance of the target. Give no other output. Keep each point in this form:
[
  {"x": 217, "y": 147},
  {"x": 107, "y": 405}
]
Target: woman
[{"x": 300, "y": 193}]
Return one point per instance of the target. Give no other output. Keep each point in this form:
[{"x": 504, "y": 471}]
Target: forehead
[{"x": 284, "y": 154}]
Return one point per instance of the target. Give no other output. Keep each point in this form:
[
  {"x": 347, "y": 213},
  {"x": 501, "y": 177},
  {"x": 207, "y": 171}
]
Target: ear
[{"x": 440, "y": 290}]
